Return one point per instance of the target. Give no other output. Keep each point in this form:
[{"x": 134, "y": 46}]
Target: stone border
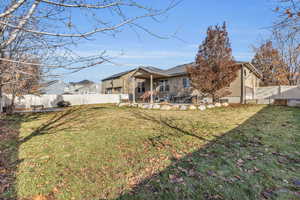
[{"x": 181, "y": 107}]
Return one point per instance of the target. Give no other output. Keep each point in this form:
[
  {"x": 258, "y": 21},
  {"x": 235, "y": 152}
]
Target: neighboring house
[
  {"x": 174, "y": 85},
  {"x": 54, "y": 87},
  {"x": 82, "y": 87}
]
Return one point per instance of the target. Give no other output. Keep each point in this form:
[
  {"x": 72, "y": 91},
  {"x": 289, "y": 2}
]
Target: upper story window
[
  {"x": 186, "y": 82},
  {"x": 164, "y": 86}
]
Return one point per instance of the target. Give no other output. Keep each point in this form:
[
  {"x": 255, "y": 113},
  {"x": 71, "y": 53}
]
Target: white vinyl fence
[
  {"x": 267, "y": 95},
  {"x": 278, "y": 92},
  {"x": 49, "y": 101}
]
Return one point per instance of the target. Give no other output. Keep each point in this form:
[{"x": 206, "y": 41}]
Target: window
[
  {"x": 164, "y": 86},
  {"x": 167, "y": 88},
  {"x": 141, "y": 87},
  {"x": 109, "y": 91},
  {"x": 118, "y": 89},
  {"x": 186, "y": 82},
  {"x": 161, "y": 86}
]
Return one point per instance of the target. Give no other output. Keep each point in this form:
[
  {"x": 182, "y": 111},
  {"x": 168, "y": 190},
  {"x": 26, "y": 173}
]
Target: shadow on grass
[
  {"x": 60, "y": 121},
  {"x": 10, "y": 142},
  {"x": 98, "y": 108},
  {"x": 169, "y": 123},
  {"x": 8, "y": 158},
  {"x": 257, "y": 160}
]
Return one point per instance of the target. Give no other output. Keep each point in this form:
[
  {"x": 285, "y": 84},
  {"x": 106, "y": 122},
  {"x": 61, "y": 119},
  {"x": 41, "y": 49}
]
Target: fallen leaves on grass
[
  {"x": 267, "y": 194},
  {"x": 39, "y": 197},
  {"x": 239, "y": 162},
  {"x": 50, "y": 196},
  {"x": 176, "y": 179},
  {"x": 7, "y": 168}
]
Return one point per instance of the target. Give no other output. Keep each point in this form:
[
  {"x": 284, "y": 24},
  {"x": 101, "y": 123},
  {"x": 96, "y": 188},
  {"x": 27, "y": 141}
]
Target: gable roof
[
  {"x": 181, "y": 69},
  {"x": 118, "y": 75},
  {"x": 149, "y": 69},
  {"x": 178, "y": 70},
  {"x": 83, "y": 82},
  {"x": 153, "y": 70},
  {"x": 251, "y": 68}
]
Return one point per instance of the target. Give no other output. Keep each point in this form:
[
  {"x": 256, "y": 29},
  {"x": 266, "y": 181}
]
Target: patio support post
[
  {"x": 151, "y": 88},
  {"x": 133, "y": 90}
]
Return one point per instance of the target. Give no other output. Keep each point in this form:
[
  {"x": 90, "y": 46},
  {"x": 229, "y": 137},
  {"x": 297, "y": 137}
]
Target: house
[
  {"x": 174, "y": 85},
  {"x": 54, "y": 87},
  {"x": 82, "y": 87}
]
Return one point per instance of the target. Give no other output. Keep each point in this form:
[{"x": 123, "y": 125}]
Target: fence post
[{"x": 279, "y": 91}]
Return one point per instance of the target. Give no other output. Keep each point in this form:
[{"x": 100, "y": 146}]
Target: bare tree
[
  {"x": 288, "y": 14},
  {"x": 215, "y": 69},
  {"x": 268, "y": 60},
  {"x": 17, "y": 75},
  {"x": 57, "y": 24},
  {"x": 287, "y": 44},
  {"x": 22, "y": 79},
  {"x": 56, "y": 17}
]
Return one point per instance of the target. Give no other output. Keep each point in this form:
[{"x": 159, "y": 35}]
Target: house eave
[
  {"x": 146, "y": 73},
  {"x": 253, "y": 69}
]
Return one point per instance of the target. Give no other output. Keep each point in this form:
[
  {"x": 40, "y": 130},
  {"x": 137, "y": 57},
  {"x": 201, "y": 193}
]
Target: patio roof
[{"x": 145, "y": 72}]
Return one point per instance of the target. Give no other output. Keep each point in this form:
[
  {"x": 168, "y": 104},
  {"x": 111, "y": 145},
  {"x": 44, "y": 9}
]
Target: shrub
[{"x": 63, "y": 104}]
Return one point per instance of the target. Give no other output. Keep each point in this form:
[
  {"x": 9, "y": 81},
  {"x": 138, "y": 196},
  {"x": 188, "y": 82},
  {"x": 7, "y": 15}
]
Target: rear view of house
[{"x": 173, "y": 84}]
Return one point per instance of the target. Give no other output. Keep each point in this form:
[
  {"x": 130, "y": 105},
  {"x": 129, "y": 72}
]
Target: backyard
[{"x": 107, "y": 152}]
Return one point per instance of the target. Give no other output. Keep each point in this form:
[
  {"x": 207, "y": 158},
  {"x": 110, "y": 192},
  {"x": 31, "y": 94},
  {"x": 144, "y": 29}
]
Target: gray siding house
[{"x": 174, "y": 85}]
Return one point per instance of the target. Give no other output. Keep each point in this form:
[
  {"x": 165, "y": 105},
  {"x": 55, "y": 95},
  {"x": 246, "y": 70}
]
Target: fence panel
[
  {"x": 49, "y": 101},
  {"x": 278, "y": 92}
]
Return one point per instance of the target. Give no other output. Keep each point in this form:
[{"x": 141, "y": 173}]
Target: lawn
[{"x": 106, "y": 152}]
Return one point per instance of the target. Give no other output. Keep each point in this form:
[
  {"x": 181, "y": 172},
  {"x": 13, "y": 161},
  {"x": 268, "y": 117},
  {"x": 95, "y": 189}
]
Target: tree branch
[
  {"x": 83, "y": 5},
  {"x": 86, "y": 34},
  {"x": 23, "y": 21},
  {"x": 12, "y": 8}
]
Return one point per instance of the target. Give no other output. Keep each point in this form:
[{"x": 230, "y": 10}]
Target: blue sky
[{"x": 247, "y": 21}]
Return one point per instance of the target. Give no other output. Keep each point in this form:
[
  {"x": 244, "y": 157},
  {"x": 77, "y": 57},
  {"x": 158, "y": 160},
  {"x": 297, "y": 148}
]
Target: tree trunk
[
  {"x": 213, "y": 98},
  {"x": 1, "y": 100},
  {"x": 12, "y": 104}
]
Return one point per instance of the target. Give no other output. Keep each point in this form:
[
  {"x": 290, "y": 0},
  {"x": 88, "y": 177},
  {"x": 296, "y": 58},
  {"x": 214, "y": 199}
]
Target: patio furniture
[{"x": 37, "y": 107}]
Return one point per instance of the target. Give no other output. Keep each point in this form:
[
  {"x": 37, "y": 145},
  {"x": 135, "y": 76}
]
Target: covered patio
[{"x": 147, "y": 73}]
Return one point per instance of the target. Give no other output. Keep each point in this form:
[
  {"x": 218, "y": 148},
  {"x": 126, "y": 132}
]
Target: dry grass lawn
[{"x": 105, "y": 152}]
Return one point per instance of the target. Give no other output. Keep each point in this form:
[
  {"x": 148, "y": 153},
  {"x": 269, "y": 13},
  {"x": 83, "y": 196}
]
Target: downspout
[{"x": 242, "y": 85}]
